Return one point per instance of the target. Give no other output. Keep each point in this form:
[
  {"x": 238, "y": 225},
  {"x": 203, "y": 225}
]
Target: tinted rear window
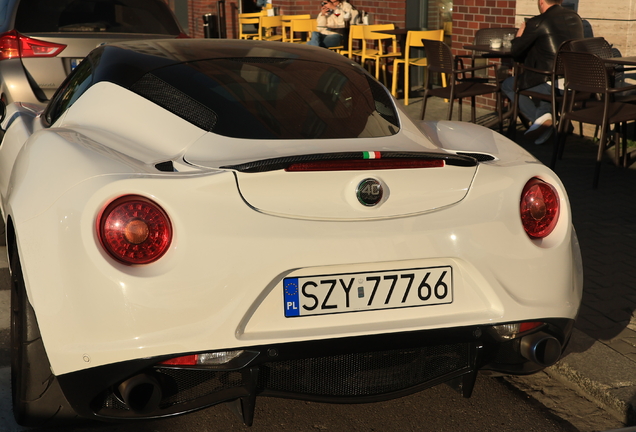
[
  {"x": 273, "y": 98},
  {"x": 113, "y": 16}
]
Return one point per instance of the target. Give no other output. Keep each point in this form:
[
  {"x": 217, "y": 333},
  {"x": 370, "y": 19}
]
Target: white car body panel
[{"x": 196, "y": 298}]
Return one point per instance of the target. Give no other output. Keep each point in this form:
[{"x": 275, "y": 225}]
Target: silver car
[{"x": 41, "y": 41}]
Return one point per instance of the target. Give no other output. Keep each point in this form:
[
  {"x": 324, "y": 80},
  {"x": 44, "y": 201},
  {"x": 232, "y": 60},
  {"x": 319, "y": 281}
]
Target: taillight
[
  {"x": 15, "y": 45},
  {"x": 134, "y": 230},
  {"x": 540, "y": 208},
  {"x": 511, "y": 331},
  {"x": 205, "y": 359}
]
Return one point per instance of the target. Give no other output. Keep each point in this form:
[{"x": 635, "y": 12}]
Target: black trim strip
[{"x": 280, "y": 163}]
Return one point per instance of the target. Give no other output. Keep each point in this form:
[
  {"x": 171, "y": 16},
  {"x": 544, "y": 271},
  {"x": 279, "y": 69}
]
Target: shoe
[
  {"x": 539, "y": 126},
  {"x": 544, "y": 136}
]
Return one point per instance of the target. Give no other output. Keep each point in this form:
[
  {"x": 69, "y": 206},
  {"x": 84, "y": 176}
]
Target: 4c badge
[{"x": 369, "y": 192}]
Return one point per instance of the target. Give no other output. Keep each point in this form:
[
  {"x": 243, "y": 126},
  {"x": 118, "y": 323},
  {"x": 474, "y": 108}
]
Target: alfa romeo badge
[{"x": 369, "y": 192}]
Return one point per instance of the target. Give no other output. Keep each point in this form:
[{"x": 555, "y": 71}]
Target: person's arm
[{"x": 526, "y": 37}]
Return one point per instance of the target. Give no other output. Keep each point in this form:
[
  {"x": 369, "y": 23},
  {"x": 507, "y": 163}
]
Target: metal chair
[
  {"x": 588, "y": 73},
  {"x": 268, "y": 26},
  {"x": 304, "y": 27},
  {"x": 288, "y": 34},
  {"x": 441, "y": 60},
  {"x": 384, "y": 47},
  {"x": 555, "y": 97},
  {"x": 356, "y": 33},
  {"x": 413, "y": 40},
  {"x": 249, "y": 20}
]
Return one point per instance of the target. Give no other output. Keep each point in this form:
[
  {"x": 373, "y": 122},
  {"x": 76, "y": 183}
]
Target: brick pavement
[{"x": 601, "y": 358}]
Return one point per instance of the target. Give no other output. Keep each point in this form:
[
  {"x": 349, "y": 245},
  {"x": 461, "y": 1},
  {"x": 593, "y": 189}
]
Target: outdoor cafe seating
[{"x": 441, "y": 60}]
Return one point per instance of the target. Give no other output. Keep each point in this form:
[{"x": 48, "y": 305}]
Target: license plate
[
  {"x": 75, "y": 62},
  {"x": 352, "y": 292}
]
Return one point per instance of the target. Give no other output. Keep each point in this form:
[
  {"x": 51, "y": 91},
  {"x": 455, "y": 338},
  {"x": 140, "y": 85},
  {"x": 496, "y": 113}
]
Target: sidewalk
[{"x": 600, "y": 360}]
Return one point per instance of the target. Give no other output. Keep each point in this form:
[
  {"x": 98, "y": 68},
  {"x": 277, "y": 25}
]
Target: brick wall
[
  {"x": 472, "y": 15},
  {"x": 380, "y": 12}
]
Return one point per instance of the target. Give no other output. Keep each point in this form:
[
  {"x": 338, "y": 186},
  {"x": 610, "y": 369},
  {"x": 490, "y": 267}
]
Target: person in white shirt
[{"x": 331, "y": 22}]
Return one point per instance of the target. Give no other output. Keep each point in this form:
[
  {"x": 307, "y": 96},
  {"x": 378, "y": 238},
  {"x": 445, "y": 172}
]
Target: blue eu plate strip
[{"x": 292, "y": 304}]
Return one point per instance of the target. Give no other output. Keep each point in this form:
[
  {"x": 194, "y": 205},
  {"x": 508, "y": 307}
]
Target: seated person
[
  {"x": 535, "y": 46},
  {"x": 331, "y": 25}
]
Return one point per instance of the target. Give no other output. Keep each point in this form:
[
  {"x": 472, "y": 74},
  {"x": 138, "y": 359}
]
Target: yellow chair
[
  {"x": 304, "y": 26},
  {"x": 356, "y": 33},
  {"x": 249, "y": 19},
  {"x": 380, "y": 54},
  {"x": 413, "y": 40},
  {"x": 268, "y": 26},
  {"x": 287, "y": 24}
]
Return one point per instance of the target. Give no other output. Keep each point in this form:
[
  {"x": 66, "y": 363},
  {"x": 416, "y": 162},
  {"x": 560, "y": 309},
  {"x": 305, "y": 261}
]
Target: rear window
[
  {"x": 273, "y": 98},
  {"x": 112, "y": 16}
]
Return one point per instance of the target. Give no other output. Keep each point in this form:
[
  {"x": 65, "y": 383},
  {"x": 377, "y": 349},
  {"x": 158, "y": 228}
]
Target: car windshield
[
  {"x": 273, "y": 98},
  {"x": 113, "y": 16}
]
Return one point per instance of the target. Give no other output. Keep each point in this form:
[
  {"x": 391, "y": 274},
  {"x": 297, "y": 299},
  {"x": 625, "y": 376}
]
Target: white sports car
[{"x": 200, "y": 221}]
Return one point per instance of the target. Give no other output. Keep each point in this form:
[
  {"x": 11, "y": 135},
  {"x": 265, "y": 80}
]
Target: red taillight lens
[
  {"x": 13, "y": 44},
  {"x": 134, "y": 230},
  {"x": 539, "y": 208},
  {"x": 189, "y": 360},
  {"x": 529, "y": 325},
  {"x": 365, "y": 164}
]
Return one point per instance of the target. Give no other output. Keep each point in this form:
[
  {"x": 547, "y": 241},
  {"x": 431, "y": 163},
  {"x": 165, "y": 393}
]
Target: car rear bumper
[{"x": 346, "y": 370}]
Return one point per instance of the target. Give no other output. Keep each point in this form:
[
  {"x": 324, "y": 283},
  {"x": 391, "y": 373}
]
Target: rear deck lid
[{"x": 355, "y": 185}]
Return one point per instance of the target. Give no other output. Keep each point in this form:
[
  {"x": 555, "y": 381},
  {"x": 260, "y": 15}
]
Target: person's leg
[
  {"x": 332, "y": 40},
  {"x": 315, "y": 39},
  {"x": 527, "y": 107},
  {"x": 544, "y": 106}
]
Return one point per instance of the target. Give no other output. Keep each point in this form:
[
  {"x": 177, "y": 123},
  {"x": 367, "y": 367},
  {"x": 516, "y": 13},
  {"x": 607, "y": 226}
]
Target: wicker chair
[
  {"x": 441, "y": 60},
  {"x": 588, "y": 73}
]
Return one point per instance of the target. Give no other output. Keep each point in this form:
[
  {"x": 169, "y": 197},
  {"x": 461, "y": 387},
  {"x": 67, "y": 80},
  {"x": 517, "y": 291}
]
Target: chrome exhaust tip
[
  {"x": 141, "y": 393},
  {"x": 541, "y": 348}
]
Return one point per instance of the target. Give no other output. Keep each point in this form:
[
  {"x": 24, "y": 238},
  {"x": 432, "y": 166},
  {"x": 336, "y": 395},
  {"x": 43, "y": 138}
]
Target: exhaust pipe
[
  {"x": 541, "y": 348},
  {"x": 141, "y": 393}
]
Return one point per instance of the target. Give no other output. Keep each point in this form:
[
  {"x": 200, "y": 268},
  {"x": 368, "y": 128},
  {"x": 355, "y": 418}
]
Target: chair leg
[
  {"x": 394, "y": 80},
  {"x": 473, "y": 105},
  {"x": 599, "y": 155},
  {"x": 406, "y": 82},
  {"x": 450, "y": 109}
]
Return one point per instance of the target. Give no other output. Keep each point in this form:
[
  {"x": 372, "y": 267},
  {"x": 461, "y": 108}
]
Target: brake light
[
  {"x": 365, "y": 164},
  {"x": 540, "y": 208},
  {"x": 16, "y": 45},
  {"x": 134, "y": 230}
]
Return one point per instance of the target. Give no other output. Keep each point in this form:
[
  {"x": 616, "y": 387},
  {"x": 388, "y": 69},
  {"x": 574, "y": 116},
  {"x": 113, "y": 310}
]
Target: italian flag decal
[{"x": 371, "y": 155}]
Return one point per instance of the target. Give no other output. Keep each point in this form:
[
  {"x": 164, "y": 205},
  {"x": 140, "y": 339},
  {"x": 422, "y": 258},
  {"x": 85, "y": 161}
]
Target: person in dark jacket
[{"x": 536, "y": 45}]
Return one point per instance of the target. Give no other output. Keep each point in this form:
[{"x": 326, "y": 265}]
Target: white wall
[{"x": 615, "y": 20}]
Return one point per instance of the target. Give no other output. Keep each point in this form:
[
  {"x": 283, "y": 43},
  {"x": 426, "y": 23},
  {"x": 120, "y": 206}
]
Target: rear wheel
[{"x": 36, "y": 394}]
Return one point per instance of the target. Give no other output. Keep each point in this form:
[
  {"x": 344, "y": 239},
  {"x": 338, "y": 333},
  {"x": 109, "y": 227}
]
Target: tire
[{"x": 37, "y": 397}]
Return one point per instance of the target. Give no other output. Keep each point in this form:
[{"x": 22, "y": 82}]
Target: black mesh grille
[
  {"x": 191, "y": 384},
  {"x": 364, "y": 374},
  {"x": 175, "y": 101}
]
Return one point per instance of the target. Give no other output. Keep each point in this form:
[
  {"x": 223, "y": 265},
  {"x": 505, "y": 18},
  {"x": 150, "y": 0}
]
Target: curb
[{"x": 600, "y": 373}]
